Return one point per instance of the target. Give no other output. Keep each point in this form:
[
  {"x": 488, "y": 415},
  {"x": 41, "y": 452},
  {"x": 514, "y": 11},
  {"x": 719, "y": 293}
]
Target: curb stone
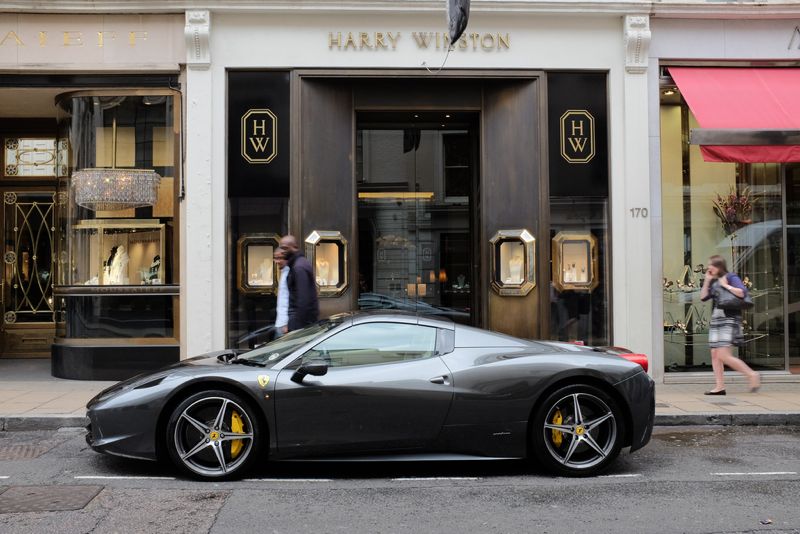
[
  {"x": 29, "y": 423},
  {"x": 743, "y": 419}
]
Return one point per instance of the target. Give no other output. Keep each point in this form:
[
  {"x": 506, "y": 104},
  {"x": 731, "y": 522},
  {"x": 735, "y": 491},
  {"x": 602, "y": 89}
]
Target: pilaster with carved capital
[
  {"x": 197, "y": 34},
  {"x": 637, "y": 43}
]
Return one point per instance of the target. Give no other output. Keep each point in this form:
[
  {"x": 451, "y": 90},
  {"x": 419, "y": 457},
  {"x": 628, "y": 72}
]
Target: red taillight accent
[{"x": 641, "y": 359}]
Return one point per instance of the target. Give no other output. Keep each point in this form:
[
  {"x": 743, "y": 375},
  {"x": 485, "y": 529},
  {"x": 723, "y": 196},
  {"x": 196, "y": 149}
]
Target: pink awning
[{"x": 743, "y": 98}]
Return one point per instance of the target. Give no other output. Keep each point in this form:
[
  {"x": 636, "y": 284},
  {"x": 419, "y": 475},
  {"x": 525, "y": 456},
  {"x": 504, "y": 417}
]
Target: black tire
[
  {"x": 202, "y": 438},
  {"x": 577, "y": 446}
]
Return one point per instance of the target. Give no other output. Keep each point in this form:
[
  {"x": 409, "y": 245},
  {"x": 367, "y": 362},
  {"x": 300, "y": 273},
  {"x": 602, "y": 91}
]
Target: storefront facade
[
  {"x": 726, "y": 182},
  {"x": 91, "y": 124},
  {"x": 502, "y": 191}
]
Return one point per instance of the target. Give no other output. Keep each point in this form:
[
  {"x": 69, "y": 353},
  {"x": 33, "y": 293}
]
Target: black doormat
[{"x": 46, "y": 498}]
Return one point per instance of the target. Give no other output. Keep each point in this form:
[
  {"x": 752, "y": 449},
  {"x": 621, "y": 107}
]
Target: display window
[
  {"x": 738, "y": 211},
  {"x": 118, "y": 176}
]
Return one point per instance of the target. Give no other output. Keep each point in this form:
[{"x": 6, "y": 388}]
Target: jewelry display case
[
  {"x": 513, "y": 262},
  {"x": 255, "y": 265},
  {"x": 327, "y": 252},
  {"x": 119, "y": 252},
  {"x": 575, "y": 263}
]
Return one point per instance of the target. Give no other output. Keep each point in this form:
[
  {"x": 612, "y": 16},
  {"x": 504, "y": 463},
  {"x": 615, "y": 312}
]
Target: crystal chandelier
[
  {"x": 115, "y": 189},
  {"x": 104, "y": 189}
]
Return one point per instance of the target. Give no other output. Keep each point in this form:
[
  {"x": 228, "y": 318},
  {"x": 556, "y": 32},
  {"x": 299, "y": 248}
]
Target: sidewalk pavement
[{"x": 32, "y": 399}]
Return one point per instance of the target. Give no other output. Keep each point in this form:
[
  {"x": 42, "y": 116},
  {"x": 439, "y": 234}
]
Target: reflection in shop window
[{"x": 731, "y": 209}]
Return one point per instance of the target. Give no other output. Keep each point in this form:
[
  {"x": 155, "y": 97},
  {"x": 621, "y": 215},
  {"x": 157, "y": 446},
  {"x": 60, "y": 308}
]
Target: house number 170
[{"x": 639, "y": 213}]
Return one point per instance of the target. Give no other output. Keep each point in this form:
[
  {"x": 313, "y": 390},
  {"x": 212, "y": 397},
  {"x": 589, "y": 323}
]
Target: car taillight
[{"x": 641, "y": 359}]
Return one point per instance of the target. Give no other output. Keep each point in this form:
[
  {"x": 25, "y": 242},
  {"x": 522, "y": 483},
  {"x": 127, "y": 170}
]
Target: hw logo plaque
[
  {"x": 259, "y": 136},
  {"x": 577, "y": 136}
]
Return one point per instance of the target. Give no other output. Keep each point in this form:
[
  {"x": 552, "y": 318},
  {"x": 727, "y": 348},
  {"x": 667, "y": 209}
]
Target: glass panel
[
  {"x": 415, "y": 240},
  {"x": 580, "y": 315},
  {"x": 110, "y": 316},
  {"x": 28, "y": 280},
  {"x": 375, "y": 343},
  {"x": 730, "y": 209},
  {"x": 793, "y": 264},
  {"x": 261, "y": 265},
  {"x": 512, "y": 262},
  {"x": 115, "y": 136},
  {"x": 250, "y": 312},
  {"x": 30, "y": 157},
  {"x": 576, "y": 261},
  {"x": 327, "y": 268}
]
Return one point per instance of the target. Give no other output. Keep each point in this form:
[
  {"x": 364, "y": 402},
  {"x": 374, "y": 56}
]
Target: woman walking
[{"x": 726, "y": 326}]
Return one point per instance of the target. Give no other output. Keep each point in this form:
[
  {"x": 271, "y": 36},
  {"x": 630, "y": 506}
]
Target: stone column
[
  {"x": 633, "y": 256},
  {"x": 201, "y": 279}
]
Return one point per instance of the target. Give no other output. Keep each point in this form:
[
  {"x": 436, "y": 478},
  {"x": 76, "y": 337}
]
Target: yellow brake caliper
[
  {"x": 238, "y": 427},
  {"x": 558, "y": 437}
]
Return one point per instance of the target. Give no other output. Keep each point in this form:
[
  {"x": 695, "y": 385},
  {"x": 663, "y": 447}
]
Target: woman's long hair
[{"x": 720, "y": 263}]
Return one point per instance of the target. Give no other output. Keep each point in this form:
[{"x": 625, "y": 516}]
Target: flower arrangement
[{"x": 735, "y": 209}]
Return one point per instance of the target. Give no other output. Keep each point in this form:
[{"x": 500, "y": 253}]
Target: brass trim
[
  {"x": 116, "y": 290},
  {"x": 557, "y": 244},
  {"x": 318, "y": 237},
  {"x": 529, "y": 268},
  {"x": 242, "y": 244}
]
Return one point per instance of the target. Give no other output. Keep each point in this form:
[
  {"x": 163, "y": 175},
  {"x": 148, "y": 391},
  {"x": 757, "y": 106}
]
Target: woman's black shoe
[{"x": 720, "y": 392}]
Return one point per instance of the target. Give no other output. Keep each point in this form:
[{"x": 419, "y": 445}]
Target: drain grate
[
  {"x": 22, "y": 452},
  {"x": 46, "y": 498},
  {"x": 661, "y": 405}
]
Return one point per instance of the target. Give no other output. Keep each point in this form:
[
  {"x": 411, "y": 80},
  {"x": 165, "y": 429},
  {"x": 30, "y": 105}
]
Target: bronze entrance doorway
[{"x": 416, "y": 174}]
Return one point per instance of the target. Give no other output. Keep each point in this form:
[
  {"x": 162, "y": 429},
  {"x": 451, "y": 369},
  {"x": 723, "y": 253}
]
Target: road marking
[
  {"x": 4, "y": 477},
  {"x": 105, "y": 477},
  {"x": 630, "y": 475},
  {"x": 416, "y": 479},
  {"x": 764, "y": 473},
  {"x": 288, "y": 480}
]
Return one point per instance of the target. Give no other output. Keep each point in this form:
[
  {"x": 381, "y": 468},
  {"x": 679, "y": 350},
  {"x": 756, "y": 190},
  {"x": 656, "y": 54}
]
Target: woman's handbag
[{"x": 725, "y": 300}]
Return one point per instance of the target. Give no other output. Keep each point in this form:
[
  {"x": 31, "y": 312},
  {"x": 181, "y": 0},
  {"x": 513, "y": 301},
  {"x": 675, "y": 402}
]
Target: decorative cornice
[
  {"x": 197, "y": 33},
  {"x": 728, "y": 9},
  {"x": 637, "y": 43}
]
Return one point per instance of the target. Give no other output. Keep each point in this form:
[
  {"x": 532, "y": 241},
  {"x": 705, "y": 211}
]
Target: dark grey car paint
[{"x": 491, "y": 384}]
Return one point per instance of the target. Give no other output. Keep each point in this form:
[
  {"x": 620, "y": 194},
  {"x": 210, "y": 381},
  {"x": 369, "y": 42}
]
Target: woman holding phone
[{"x": 726, "y": 326}]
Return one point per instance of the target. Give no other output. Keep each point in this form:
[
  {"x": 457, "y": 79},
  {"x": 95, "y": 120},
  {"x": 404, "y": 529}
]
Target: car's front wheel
[
  {"x": 577, "y": 431},
  {"x": 213, "y": 435}
]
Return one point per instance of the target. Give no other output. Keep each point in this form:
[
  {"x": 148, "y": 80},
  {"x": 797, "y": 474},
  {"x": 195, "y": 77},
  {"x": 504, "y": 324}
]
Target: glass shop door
[{"x": 417, "y": 176}]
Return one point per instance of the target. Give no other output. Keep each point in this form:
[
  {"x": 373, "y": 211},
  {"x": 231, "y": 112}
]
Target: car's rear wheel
[
  {"x": 577, "y": 431},
  {"x": 213, "y": 435}
]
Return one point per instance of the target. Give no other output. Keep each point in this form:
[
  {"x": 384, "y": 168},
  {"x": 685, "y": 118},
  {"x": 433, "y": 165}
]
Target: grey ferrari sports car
[{"x": 384, "y": 386}]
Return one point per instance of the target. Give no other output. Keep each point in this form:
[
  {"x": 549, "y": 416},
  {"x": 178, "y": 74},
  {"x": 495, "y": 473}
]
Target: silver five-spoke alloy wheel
[
  {"x": 580, "y": 430},
  {"x": 211, "y": 435}
]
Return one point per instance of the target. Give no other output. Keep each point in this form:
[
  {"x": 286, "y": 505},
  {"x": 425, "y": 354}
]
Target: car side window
[{"x": 375, "y": 343}]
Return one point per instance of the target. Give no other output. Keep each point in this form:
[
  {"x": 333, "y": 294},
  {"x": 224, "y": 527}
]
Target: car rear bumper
[{"x": 640, "y": 393}]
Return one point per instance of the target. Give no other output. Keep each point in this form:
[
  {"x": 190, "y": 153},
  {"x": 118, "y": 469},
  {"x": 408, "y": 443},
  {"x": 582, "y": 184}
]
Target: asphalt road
[{"x": 688, "y": 479}]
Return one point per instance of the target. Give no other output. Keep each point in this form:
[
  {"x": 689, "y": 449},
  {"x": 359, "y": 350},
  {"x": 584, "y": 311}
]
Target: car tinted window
[
  {"x": 276, "y": 350},
  {"x": 374, "y": 343}
]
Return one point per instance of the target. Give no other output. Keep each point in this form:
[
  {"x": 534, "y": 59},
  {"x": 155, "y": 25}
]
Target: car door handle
[{"x": 439, "y": 379}]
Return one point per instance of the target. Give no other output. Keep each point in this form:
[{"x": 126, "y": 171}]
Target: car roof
[{"x": 399, "y": 316}]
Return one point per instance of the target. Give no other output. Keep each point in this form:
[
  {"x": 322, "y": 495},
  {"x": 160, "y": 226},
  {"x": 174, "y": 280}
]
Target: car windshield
[{"x": 276, "y": 350}]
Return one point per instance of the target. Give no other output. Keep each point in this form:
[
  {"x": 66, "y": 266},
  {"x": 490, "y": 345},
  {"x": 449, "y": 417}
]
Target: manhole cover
[
  {"x": 22, "y": 452},
  {"x": 46, "y": 498}
]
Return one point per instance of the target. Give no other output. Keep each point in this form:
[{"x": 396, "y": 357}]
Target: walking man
[
  {"x": 303, "y": 302},
  {"x": 282, "y": 308}
]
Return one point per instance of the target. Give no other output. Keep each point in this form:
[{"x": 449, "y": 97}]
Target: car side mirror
[{"x": 310, "y": 368}]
